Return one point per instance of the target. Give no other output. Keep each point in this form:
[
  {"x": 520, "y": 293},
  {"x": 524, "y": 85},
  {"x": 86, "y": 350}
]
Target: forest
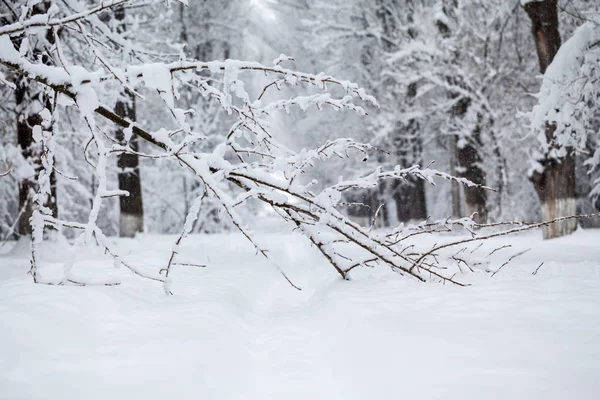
[{"x": 299, "y": 199}]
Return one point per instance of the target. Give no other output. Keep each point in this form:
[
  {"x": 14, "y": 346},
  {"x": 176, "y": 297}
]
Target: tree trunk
[
  {"x": 409, "y": 196},
  {"x": 131, "y": 217},
  {"x": 555, "y": 187},
  {"x": 469, "y": 165},
  {"x": 544, "y": 27},
  {"x": 555, "y": 182},
  {"x": 410, "y": 201},
  {"x": 469, "y": 161},
  {"x": 455, "y": 186},
  {"x": 30, "y": 101},
  {"x": 475, "y": 198},
  {"x": 27, "y": 186}
]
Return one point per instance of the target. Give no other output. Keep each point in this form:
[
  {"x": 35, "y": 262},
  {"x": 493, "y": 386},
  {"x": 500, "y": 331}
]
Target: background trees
[
  {"x": 451, "y": 77},
  {"x": 472, "y": 70},
  {"x": 248, "y": 161}
]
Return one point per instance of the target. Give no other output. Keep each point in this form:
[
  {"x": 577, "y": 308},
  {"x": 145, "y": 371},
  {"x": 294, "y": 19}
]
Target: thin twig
[
  {"x": 509, "y": 260},
  {"x": 537, "y": 269}
]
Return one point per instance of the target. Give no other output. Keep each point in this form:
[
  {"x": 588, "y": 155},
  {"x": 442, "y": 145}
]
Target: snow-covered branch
[{"x": 248, "y": 161}]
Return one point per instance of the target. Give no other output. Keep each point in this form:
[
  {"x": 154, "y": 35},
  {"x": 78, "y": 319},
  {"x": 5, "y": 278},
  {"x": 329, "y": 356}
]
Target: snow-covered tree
[
  {"x": 29, "y": 102},
  {"x": 562, "y": 120},
  {"x": 565, "y": 120}
]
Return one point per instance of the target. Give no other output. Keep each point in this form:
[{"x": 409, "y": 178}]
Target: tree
[
  {"x": 565, "y": 120},
  {"x": 406, "y": 136},
  {"x": 553, "y": 177},
  {"x": 464, "y": 146},
  {"x": 131, "y": 217},
  {"x": 31, "y": 100}
]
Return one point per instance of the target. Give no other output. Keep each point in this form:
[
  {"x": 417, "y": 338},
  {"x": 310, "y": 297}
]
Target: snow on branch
[
  {"x": 46, "y": 20},
  {"x": 250, "y": 158}
]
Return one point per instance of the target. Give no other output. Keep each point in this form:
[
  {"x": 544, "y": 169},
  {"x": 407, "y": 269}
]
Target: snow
[
  {"x": 525, "y": 2},
  {"x": 237, "y": 330},
  {"x": 157, "y": 76}
]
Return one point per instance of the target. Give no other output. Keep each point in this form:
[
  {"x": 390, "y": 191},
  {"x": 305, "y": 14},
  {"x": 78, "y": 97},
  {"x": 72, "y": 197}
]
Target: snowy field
[{"x": 238, "y": 330}]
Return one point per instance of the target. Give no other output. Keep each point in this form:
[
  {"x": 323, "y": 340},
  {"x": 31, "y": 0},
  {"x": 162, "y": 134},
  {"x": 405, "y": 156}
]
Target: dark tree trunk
[
  {"x": 475, "y": 198},
  {"x": 469, "y": 162},
  {"x": 29, "y": 101},
  {"x": 544, "y": 27},
  {"x": 409, "y": 196},
  {"x": 555, "y": 182},
  {"x": 454, "y": 186},
  {"x": 410, "y": 201},
  {"x": 131, "y": 218},
  {"x": 27, "y": 186}
]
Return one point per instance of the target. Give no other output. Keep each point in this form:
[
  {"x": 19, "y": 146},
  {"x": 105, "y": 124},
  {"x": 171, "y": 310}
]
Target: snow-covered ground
[{"x": 238, "y": 330}]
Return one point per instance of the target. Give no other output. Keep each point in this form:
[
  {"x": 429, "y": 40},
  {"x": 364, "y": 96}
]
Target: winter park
[{"x": 299, "y": 199}]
